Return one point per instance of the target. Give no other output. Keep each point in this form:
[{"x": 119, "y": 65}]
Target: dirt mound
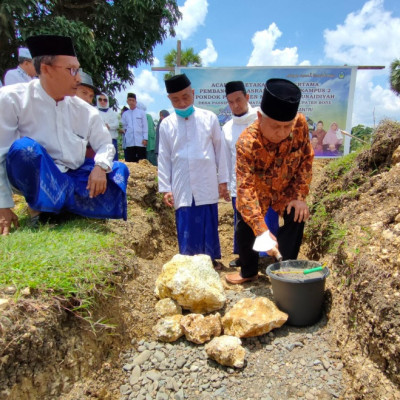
[{"x": 356, "y": 228}]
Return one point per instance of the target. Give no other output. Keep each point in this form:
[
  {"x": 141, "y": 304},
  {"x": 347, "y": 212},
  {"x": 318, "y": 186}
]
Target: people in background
[
  {"x": 134, "y": 122},
  {"x": 24, "y": 72}
]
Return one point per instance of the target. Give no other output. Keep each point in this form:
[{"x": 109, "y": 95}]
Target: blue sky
[{"x": 232, "y": 33}]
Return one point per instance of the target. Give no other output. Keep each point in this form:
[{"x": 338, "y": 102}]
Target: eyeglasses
[
  {"x": 72, "y": 71},
  {"x": 100, "y": 99}
]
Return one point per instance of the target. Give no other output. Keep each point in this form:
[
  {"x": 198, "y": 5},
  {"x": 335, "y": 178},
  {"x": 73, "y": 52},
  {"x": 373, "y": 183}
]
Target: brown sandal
[{"x": 235, "y": 278}]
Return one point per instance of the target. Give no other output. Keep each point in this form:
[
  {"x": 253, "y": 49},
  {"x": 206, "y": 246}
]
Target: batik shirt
[{"x": 271, "y": 174}]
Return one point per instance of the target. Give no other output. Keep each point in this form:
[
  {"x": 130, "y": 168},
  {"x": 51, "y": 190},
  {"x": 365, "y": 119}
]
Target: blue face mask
[{"x": 185, "y": 112}]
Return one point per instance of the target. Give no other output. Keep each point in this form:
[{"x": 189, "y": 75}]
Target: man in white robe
[
  {"x": 25, "y": 71},
  {"x": 134, "y": 122},
  {"x": 192, "y": 170}
]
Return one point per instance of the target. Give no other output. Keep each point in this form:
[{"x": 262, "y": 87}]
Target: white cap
[{"x": 23, "y": 52}]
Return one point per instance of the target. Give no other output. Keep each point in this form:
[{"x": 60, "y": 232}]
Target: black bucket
[{"x": 301, "y": 298}]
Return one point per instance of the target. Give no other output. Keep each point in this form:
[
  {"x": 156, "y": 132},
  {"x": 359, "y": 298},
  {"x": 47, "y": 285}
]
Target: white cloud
[
  {"x": 209, "y": 54},
  {"x": 373, "y": 102},
  {"x": 264, "y": 53},
  {"x": 368, "y": 37},
  {"x": 156, "y": 62},
  {"x": 146, "y": 86},
  {"x": 194, "y": 13}
]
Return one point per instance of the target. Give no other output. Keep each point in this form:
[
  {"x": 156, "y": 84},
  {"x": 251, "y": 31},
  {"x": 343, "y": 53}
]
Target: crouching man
[{"x": 44, "y": 131}]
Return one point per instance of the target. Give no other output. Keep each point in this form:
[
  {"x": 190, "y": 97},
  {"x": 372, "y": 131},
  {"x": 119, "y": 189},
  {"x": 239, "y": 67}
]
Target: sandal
[
  {"x": 235, "y": 278},
  {"x": 218, "y": 266}
]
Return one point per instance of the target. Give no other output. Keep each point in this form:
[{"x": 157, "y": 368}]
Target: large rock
[
  {"x": 226, "y": 350},
  {"x": 200, "y": 329},
  {"x": 169, "y": 329},
  {"x": 192, "y": 282},
  {"x": 167, "y": 307},
  {"x": 253, "y": 317}
]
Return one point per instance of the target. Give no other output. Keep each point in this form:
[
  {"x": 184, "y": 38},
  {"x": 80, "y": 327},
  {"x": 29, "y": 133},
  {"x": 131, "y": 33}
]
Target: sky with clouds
[{"x": 229, "y": 33}]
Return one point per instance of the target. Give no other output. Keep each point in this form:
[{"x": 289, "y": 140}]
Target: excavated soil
[{"x": 47, "y": 352}]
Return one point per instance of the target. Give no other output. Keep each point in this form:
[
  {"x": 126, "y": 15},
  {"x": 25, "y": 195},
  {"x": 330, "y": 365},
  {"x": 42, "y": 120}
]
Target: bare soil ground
[{"x": 48, "y": 353}]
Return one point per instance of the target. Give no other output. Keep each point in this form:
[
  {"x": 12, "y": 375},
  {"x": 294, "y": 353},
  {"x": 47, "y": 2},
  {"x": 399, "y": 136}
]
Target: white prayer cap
[{"x": 23, "y": 52}]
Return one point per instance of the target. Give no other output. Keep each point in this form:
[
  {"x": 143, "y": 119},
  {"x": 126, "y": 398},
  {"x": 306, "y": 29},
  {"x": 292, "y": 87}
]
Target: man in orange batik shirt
[{"x": 273, "y": 169}]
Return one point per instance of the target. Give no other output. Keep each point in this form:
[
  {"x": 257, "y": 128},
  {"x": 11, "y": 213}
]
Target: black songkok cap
[
  {"x": 234, "y": 86},
  {"x": 131, "y": 96},
  {"x": 280, "y": 100},
  {"x": 50, "y": 45},
  {"x": 177, "y": 83}
]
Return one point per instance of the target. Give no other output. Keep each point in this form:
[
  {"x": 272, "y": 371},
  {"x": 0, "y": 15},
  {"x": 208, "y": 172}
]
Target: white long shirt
[
  {"x": 63, "y": 129},
  {"x": 16, "y": 75},
  {"x": 192, "y": 158},
  {"x": 111, "y": 118},
  {"x": 136, "y": 128},
  {"x": 232, "y": 130}
]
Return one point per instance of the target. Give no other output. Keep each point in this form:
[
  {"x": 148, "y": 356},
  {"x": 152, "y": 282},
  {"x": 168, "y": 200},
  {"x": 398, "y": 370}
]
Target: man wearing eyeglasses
[{"x": 44, "y": 130}]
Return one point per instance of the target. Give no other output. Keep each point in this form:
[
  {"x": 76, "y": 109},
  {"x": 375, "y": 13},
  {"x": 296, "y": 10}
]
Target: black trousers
[
  {"x": 135, "y": 153},
  {"x": 289, "y": 238}
]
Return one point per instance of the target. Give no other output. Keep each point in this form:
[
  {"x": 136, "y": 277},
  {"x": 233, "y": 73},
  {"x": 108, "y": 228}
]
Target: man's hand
[
  {"x": 223, "y": 191},
  {"x": 97, "y": 183},
  {"x": 301, "y": 211},
  {"x": 144, "y": 142},
  {"x": 169, "y": 199},
  {"x": 7, "y": 218}
]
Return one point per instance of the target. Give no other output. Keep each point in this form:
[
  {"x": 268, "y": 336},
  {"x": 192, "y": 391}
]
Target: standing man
[
  {"x": 44, "y": 130},
  {"x": 134, "y": 122},
  {"x": 274, "y": 169},
  {"x": 25, "y": 71},
  {"x": 243, "y": 114},
  {"x": 192, "y": 170},
  {"x": 110, "y": 118}
]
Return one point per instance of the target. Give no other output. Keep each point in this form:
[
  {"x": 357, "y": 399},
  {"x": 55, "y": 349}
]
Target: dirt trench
[{"x": 48, "y": 353}]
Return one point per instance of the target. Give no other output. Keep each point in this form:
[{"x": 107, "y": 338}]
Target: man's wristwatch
[{"x": 103, "y": 166}]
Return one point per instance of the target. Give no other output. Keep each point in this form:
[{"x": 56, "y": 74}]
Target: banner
[{"x": 327, "y": 98}]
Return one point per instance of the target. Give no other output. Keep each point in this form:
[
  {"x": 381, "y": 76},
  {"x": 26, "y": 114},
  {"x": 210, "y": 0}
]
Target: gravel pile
[{"x": 288, "y": 363}]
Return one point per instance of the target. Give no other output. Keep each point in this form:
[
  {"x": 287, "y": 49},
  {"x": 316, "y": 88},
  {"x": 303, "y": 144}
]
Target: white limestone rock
[
  {"x": 167, "y": 307},
  {"x": 253, "y": 317},
  {"x": 226, "y": 350},
  {"x": 192, "y": 282},
  {"x": 169, "y": 329},
  {"x": 200, "y": 329}
]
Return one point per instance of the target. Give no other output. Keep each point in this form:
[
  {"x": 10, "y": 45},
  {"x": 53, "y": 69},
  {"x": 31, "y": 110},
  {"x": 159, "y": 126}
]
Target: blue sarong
[
  {"x": 197, "y": 228},
  {"x": 33, "y": 172},
  {"x": 271, "y": 219}
]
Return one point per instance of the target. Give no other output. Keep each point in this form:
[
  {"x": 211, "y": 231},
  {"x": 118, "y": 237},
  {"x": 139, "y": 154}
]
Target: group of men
[
  {"x": 266, "y": 157},
  {"x": 262, "y": 156}
]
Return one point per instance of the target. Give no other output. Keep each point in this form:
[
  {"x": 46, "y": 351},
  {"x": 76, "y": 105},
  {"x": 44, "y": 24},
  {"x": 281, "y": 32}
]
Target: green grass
[
  {"x": 340, "y": 166},
  {"x": 68, "y": 260}
]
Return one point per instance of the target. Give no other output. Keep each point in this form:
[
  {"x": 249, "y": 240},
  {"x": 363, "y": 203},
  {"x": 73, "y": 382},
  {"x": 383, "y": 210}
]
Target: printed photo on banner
[{"x": 327, "y": 98}]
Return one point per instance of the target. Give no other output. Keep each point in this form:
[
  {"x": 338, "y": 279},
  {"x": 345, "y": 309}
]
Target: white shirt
[
  {"x": 63, "y": 129},
  {"x": 192, "y": 158},
  {"x": 16, "y": 75},
  {"x": 135, "y": 125},
  {"x": 232, "y": 130},
  {"x": 111, "y": 118}
]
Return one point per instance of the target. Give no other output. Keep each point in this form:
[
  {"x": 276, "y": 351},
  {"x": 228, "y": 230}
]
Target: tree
[
  {"x": 362, "y": 132},
  {"x": 110, "y": 36},
  {"x": 188, "y": 57},
  {"x": 395, "y": 76}
]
